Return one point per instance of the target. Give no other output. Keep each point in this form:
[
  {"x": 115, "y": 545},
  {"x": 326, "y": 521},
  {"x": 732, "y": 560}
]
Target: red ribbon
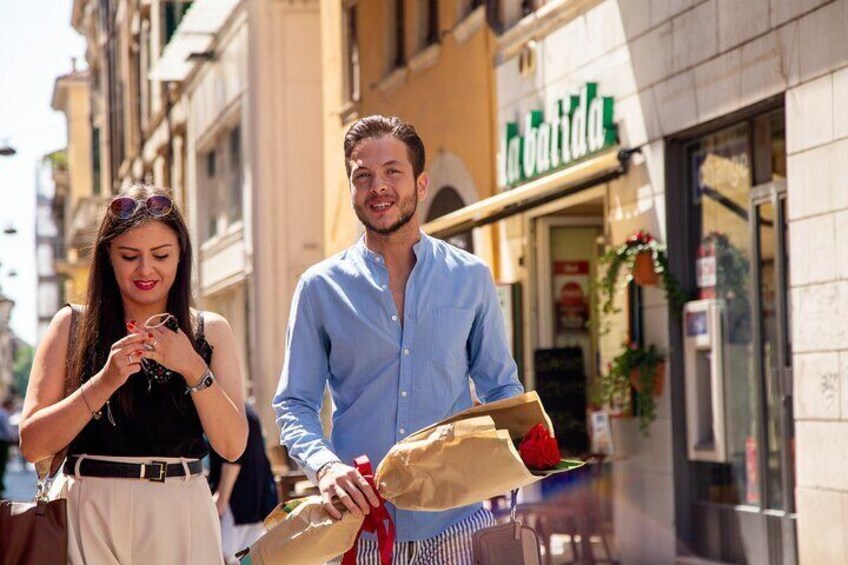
[{"x": 378, "y": 520}]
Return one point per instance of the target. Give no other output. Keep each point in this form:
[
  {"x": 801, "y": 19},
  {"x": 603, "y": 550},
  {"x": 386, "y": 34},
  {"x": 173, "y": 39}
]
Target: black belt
[{"x": 156, "y": 471}]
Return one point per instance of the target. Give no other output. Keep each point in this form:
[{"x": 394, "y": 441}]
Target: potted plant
[
  {"x": 646, "y": 262},
  {"x": 639, "y": 368}
]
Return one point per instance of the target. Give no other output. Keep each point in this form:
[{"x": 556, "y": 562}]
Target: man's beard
[{"x": 407, "y": 208}]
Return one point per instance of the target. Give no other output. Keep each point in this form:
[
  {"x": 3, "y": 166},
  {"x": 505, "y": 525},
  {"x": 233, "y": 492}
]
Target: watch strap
[{"x": 205, "y": 382}]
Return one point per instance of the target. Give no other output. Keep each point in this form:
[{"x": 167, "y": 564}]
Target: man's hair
[{"x": 371, "y": 127}]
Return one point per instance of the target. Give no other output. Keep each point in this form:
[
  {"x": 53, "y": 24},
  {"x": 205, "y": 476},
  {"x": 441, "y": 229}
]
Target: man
[{"x": 395, "y": 324}]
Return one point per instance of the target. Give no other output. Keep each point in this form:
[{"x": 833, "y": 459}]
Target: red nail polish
[{"x": 150, "y": 335}]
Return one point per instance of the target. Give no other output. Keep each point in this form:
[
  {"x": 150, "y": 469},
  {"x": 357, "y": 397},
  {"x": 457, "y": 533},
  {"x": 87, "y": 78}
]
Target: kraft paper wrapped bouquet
[{"x": 467, "y": 458}]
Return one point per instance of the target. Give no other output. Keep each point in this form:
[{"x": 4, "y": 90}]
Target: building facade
[
  {"x": 76, "y": 182},
  {"x": 8, "y": 347},
  {"x": 214, "y": 100},
  {"x": 716, "y": 126},
  {"x": 430, "y": 69},
  {"x": 252, "y": 148},
  {"x": 49, "y": 237}
]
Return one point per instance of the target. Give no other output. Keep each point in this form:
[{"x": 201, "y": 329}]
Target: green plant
[
  {"x": 614, "y": 387},
  {"x": 625, "y": 256}
]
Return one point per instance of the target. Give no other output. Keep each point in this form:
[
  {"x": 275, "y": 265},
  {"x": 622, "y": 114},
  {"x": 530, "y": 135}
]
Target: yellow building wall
[
  {"x": 340, "y": 223},
  {"x": 451, "y": 104},
  {"x": 79, "y": 141}
]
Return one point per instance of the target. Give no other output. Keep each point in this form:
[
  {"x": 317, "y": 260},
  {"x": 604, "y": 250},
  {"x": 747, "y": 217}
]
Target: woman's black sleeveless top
[{"x": 162, "y": 420}]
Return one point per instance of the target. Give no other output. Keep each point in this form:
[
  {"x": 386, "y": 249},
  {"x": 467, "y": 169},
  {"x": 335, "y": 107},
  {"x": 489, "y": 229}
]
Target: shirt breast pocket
[{"x": 451, "y": 327}]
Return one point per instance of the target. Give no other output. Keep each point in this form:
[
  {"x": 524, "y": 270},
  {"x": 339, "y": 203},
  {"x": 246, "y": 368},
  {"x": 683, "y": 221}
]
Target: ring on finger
[{"x": 130, "y": 358}]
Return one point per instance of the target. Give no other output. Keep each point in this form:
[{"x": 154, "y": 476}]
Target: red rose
[{"x": 538, "y": 449}]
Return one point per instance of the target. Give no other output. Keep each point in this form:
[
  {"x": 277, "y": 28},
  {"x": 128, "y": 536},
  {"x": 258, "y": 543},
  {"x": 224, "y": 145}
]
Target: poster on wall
[
  {"x": 601, "y": 433},
  {"x": 571, "y": 295}
]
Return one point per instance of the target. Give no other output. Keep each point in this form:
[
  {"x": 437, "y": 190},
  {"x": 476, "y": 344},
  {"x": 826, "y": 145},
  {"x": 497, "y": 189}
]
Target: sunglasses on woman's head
[{"x": 124, "y": 207}]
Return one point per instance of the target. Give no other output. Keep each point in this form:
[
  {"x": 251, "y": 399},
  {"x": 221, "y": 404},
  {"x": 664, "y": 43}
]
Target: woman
[{"x": 149, "y": 393}]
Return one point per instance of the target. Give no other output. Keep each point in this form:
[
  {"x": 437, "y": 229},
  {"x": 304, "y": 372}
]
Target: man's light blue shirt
[{"x": 389, "y": 379}]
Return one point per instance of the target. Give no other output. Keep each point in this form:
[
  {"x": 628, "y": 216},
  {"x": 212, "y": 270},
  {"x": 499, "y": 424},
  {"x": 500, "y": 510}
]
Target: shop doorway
[
  {"x": 579, "y": 506},
  {"x": 565, "y": 359}
]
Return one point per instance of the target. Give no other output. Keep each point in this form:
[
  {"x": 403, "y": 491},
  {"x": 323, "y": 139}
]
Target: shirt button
[
  {"x": 394, "y": 318},
  {"x": 406, "y": 351},
  {"x": 402, "y": 431},
  {"x": 403, "y": 393},
  {"x": 383, "y": 287},
  {"x": 378, "y": 259}
]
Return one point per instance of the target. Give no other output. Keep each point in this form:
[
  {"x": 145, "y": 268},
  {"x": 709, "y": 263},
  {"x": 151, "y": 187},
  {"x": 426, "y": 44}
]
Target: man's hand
[{"x": 345, "y": 483}]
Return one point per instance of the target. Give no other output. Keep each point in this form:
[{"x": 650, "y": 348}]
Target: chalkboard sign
[{"x": 561, "y": 384}]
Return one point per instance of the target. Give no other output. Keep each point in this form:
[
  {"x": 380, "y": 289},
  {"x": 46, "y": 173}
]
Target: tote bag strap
[{"x": 48, "y": 467}]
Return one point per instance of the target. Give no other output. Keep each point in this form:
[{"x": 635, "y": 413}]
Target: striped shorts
[{"x": 451, "y": 547}]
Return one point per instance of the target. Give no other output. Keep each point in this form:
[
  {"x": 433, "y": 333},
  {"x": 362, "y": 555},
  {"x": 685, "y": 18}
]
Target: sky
[{"x": 37, "y": 43}]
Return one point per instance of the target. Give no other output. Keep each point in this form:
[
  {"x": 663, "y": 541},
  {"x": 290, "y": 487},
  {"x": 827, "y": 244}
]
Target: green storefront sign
[{"x": 581, "y": 126}]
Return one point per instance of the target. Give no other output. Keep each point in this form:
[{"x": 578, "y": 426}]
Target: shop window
[
  {"x": 427, "y": 23},
  {"x": 351, "y": 54},
  {"x": 222, "y": 183},
  {"x": 738, "y": 259},
  {"x": 468, "y": 6},
  {"x": 235, "y": 176},
  {"x": 173, "y": 12},
  {"x": 448, "y": 200},
  {"x": 395, "y": 44},
  {"x": 95, "y": 160},
  {"x": 503, "y": 14}
]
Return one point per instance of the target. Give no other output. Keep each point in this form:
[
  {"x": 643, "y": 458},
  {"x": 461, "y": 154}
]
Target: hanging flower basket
[
  {"x": 645, "y": 261},
  {"x": 636, "y": 374},
  {"x": 643, "y": 270},
  {"x": 657, "y": 379}
]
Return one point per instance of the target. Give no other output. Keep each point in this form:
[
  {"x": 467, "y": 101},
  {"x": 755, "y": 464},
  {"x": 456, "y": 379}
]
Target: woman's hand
[
  {"x": 125, "y": 358},
  {"x": 173, "y": 350}
]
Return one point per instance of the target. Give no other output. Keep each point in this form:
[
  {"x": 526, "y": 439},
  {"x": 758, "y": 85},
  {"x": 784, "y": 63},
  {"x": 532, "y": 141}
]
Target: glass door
[
  {"x": 773, "y": 365},
  {"x": 742, "y": 501}
]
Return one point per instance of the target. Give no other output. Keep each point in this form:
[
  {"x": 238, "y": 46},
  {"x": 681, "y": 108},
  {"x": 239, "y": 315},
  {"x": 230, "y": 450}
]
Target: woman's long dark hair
[{"x": 103, "y": 323}]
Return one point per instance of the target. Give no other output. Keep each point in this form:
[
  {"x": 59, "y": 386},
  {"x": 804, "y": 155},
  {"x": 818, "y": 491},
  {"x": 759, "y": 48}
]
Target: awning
[
  {"x": 195, "y": 34},
  {"x": 600, "y": 169}
]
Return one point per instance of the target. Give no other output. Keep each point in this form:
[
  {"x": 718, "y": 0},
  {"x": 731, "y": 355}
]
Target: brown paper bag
[
  {"x": 451, "y": 465},
  {"x": 464, "y": 459},
  {"x": 516, "y": 414},
  {"x": 306, "y": 535}
]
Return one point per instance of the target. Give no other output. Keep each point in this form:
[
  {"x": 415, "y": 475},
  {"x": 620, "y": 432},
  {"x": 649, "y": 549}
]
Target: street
[{"x": 20, "y": 480}]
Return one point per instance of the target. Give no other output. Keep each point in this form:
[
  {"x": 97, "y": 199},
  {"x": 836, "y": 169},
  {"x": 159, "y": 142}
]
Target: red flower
[
  {"x": 538, "y": 449},
  {"x": 640, "y": 236}
]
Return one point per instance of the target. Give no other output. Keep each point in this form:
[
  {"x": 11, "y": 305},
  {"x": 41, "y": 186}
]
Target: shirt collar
[{"x": 421, "y": 245}]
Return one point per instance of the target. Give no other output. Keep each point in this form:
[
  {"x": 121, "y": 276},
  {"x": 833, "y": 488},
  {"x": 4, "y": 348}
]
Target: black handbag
[{"x": 512, "y": 543}]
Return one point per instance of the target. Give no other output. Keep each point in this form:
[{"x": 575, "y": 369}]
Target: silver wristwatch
[{"x": 205, "y": 382}]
